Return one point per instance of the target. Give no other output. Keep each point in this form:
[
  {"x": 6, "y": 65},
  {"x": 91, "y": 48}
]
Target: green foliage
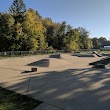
[
  {"x": 18, "y": 38},
  {"x": 61, "y": 35},
  {"x": 18, "y": 10},
  {"x": 71, "y": 40},
  {"x": 52, "y": 30},
  {"x": 89, "y": 43},
  {"x": 35, "y": 30},
  {"x": 40, "y": 17},
  {"x": 23, "y": 29},
  {"x": 18, "y": 7},
  {"x": 84, "y": 40},
  {"x": 100, "y": 42},
  {"x": 6, "y": 31}
]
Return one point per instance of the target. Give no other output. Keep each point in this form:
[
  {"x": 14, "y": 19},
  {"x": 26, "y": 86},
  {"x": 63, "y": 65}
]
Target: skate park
[{"x": 63, "y": 81}]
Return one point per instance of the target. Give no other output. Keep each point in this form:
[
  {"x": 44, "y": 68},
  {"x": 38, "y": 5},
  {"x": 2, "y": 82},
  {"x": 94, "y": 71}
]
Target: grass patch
[{"x": 12, "y": 101}]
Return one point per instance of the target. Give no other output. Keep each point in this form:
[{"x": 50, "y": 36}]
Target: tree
[
  {"x": 61, "y": 35},
  {"x": 6, "y": 31},
  {"x": 103, "y": 41},
  {"x": 100, "y": 42},
  {"x": 47, "y": 22},
  {"x": 71, "y": 40},
  {"x": 84, "y": 40},
  {"x": 52, "y": 33},
  {"x": 35, "y": 31},
  {"x": 68, "y": 28},
  {"x": 19, "y": 38},
  {"x": 40, "y": 17},
  {"x": 96, "y": 43},
  {"x": 18, "y": 10},
  {"x": 89, "y": 43}
]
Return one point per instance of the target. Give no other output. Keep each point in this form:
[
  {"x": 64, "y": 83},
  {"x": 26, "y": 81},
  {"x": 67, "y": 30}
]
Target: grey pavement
[
  {"x": 75, "y": 86},
  {"x": 47, "y": 107},
  {"x": 82, "y": 89}
]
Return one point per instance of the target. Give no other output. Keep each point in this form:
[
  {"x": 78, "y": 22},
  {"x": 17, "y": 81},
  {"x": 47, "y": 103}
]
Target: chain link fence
[
  {"x": 28, "y": 53},
  {"x": 41, "y": 52}
]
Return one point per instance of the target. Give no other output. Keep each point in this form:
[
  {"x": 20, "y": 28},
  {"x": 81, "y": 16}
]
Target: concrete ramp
[
  {"x": 55, "y": 56},
  {"x": 104, "y": 61},
  {"x": 40, "y": 63},
  {"x": 86, "y": 55},
  {"x": 65, "y": 56},
  {"x": 76, "y": 54},
  {"x": 105, "y": 54},
  {"x": 49, "y": 62},
  {"x": 58, "y": 62}
]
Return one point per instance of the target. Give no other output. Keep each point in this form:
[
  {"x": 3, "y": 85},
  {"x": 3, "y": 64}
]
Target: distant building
[{"x": 107, "y": 47}]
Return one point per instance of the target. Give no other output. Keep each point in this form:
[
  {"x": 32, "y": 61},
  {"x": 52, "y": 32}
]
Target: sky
[{"x": 94, "y": 15}]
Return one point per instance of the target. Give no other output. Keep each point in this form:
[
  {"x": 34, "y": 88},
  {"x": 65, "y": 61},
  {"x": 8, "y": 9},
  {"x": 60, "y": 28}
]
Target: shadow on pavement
[{"x": 78, "y": 89}]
